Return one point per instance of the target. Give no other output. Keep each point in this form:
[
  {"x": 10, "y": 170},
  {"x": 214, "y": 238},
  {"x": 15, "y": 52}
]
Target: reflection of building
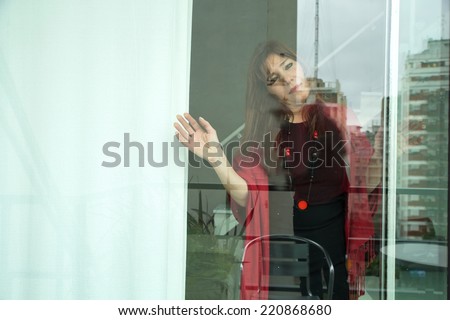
[
  {"x": 423, "y": 128},
  {"x": 327, "y": 91}
]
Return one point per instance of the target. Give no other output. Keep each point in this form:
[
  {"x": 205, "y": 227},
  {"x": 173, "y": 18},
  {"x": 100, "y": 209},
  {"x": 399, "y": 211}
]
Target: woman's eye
[
  {"x": 272, "y": 80},
  {"x": 288, "y": 66}
]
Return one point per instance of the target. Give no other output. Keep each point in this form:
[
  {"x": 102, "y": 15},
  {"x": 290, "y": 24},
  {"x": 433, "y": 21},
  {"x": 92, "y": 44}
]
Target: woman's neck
[
  {"x": 297, "y": 117},
  {"x": 296, "y": 113}
]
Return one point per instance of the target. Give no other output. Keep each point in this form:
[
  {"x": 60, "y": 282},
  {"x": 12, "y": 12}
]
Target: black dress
[{"x": 323, "y": 221}]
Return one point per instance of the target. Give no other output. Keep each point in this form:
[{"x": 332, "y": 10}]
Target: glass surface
[
  {"x": 346, "y": 59},
  {"x": 422, "y": 175}
]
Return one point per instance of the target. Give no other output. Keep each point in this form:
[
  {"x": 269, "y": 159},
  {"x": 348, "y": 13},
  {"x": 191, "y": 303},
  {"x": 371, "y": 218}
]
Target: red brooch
[{"x": 302, "y": 205}]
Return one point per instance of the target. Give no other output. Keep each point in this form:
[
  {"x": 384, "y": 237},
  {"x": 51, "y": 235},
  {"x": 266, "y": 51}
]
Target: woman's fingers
[
  {"x": 192, "y": 121},
  {"x": 209, "y": 129},
  {"x": 185, "y": 125},
  {"x": 197, "y": 136},
  {"x": 182, "y": 135},
  {"x": 182, "y": 139}
]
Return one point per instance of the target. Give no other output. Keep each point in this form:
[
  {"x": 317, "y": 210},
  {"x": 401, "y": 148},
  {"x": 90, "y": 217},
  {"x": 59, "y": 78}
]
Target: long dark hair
[{"x": 265, "y": 113}]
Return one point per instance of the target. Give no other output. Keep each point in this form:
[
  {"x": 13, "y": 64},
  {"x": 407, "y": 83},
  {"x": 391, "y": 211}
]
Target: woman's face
[{"x": 286, "y": 80}]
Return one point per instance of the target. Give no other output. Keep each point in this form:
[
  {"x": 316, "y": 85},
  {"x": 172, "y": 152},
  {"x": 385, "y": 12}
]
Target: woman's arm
[
  {"x": 201, "y": 139},
  {"x": 233, "y": 182}
]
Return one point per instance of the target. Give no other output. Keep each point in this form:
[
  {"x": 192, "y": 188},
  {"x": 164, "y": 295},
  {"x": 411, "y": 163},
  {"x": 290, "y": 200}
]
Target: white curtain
[{"x": 75, "y": 75}]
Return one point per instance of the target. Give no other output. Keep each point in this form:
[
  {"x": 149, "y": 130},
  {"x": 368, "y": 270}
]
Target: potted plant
[{"x": 212, "y": 270}]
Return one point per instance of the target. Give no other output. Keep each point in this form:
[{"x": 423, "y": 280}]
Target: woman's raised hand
[{"x": 200, "y": 137}]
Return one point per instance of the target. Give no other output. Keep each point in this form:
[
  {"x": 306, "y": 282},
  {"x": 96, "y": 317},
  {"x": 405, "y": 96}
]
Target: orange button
[{"x": 302, "y": 204}]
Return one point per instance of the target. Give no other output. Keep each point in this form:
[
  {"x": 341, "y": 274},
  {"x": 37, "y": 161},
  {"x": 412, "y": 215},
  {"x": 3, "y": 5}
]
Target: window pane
[
  {"x": 422, "y": 220},
  {"x": 344, "y": 62}
]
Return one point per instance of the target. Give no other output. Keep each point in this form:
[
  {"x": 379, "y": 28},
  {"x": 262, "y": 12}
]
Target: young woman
[{"x": 294, "y": 141}]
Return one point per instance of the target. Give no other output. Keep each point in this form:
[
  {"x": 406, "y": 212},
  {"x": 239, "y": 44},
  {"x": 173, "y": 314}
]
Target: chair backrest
[{"x": 290, "y": 257}]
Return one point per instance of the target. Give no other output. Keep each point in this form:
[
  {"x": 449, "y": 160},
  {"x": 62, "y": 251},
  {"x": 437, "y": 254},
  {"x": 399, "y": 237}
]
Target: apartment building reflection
[
  {"x": 423, "y": 142},
  {"x": 328, "y": 91}
]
